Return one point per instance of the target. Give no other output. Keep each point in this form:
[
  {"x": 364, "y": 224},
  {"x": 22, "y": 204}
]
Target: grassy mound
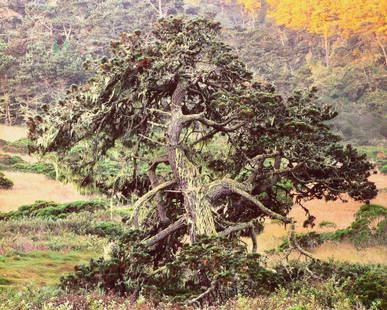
[
  {"x": 368, "y": 229},
  {"x": 15, "y": 163},
  {"x": 4, "y": 182},
  {"x": 20, "y": 146},
  {"x": 53, "y": 210}
]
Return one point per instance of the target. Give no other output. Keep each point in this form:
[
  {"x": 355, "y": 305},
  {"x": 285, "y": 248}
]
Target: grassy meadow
[{"x": 41, "y": 242}]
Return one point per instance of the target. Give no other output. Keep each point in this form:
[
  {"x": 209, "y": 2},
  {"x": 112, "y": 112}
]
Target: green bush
[
  {"x": 368, "y": 229},
  {"x": 368, "y": 283},
  {"x": 371, "y": 287},
  {"x": 4, "y": 182},
  {"x": 384, "y": 169},
  {"x": 133, "y": 270},
  {"x": 111, "y": 230},
  {"x": 53, "y": 210},
  {"x": 15, "y": 163},
  {"x": 19, "y": 146},
  {"x": 327, "y": 224},
  {"x": 40, "y": 168}
]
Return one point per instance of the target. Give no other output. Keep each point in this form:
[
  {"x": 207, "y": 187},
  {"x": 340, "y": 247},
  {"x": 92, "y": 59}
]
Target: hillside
[{"x": 46, "y": 48}]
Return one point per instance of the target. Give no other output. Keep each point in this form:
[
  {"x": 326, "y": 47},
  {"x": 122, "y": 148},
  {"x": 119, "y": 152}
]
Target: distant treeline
[{"x": 337, "y": 47}]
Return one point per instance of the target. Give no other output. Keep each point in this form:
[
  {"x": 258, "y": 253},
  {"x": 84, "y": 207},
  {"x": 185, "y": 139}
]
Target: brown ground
[
  {"x": 12, "y": 133},
  {"x": 30, "y": 187}
]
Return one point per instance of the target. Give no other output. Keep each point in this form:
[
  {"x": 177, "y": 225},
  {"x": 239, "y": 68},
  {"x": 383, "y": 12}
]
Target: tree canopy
[{"x": 209, "y": 151}]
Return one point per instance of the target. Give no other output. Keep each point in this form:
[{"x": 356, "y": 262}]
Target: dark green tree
[{"x": 209, "y": 152}]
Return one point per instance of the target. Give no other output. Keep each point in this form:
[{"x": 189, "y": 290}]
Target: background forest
[{"x": 337, "y": 46}]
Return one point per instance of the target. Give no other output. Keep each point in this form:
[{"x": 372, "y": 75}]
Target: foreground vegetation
[{"x": 36, "y": 251}]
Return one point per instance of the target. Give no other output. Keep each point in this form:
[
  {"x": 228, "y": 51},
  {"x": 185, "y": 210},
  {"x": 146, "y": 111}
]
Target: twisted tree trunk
[{"x": 190, "y": 181}]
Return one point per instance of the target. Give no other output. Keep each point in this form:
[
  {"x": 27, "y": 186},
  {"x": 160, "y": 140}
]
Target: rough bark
[
  {"x": 161, "y": 208},
  {"x": 149, "y": 195},
  {"x": 190, "y": 181}
]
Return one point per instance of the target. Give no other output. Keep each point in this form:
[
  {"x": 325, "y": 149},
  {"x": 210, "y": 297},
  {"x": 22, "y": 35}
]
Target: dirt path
[{"x": 30, "y": 187}]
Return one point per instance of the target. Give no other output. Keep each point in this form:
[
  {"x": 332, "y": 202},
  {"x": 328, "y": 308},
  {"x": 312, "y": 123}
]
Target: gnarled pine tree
[{"x": 209, "y": 151}]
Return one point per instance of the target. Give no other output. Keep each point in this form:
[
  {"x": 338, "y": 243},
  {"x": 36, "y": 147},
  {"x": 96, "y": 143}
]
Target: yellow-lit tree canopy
[
  {"x": 333, "y": 17},
  {"x": 327, "y": 18}
]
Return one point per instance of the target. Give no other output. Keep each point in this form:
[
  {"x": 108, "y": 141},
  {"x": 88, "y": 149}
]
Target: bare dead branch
[
  {"x": 237, "y": 227},
  {"x": 159, "y": 111},
  {"x": 253, "y": 236},
  {"x": 294, "y": 243},
  {"x": 165, "y": 232},
  {"x": 231, "y": 186},
  {"x": 202, "y": 295}
]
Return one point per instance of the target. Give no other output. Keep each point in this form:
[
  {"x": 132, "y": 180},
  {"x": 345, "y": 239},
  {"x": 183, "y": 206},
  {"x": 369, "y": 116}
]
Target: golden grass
[
  {"x": 342, "y": 214},
  {"x": 30, "y": 187},
  {"x": 345, "y": 251},
  {"x": 12, "y": 133}
]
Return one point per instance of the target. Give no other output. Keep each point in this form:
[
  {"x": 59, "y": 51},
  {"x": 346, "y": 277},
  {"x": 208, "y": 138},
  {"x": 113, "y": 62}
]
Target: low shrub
[
  {"x": 368, "y": 229},
  {"x": 327, "y": 224},
  {"x": 9, "y": 160},
  {"x": 15, "y": 163},
  {"x": 368, "y": 283},
  {"x": 4, "y": 182},
  {"x": 53, "y": 210},
  {"x": 40, "y": 168},
  {"x": 215, "y": 269},
  {"x": 110, "y": 230},
  {"x": 19, "y": 146}
]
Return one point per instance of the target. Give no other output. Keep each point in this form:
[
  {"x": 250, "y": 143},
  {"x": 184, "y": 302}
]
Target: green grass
[
  {"x": 20, "y": 146},
  {"x": 39, "y": 267},
  {"x": 15, "y": 163},
  {"x": 371, "y": 152},
  {"x": 50, "y": 209}
]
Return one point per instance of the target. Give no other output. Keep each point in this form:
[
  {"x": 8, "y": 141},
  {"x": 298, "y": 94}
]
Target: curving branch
[
  {"x": 165, "y": 232},
  {"x": 197, "y": 299},
  {"x": 237, "y": 227},
  {"x": 294, "y": 243},
  {"x": 149, "y": 195},
  {"x": 161, "y": 209},
  {"x": 221, "y": 126},
  {"x": 228, "y": 186}
]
